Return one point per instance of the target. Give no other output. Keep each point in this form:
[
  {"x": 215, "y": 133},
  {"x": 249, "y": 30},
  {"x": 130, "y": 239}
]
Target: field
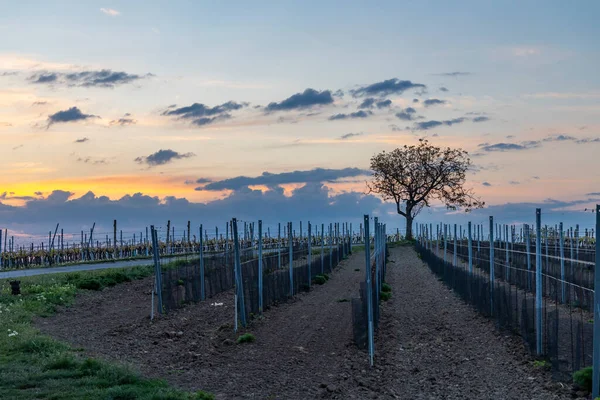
[{"x": 428, "y": 345}]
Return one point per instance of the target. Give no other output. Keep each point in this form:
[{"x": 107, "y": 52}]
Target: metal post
[
  {"x": 322, "y": 248},
  {"x": 506, "y": 252},
  {"x": 279, "y": 245},
  {"x": 309, "y": 253},
  {"x": 291, "y": 244},
  {"x": 369, "y": 290},
  {"x": 330, "y": 247},
  {"x": 538, "y": 279},
  {"x": 239, "y": 284},
  {"x": 596, "y": 359},
  {"x": 157, "y": 269},
  {"x": 260, "y": 268},
  {"x": 202, "y": 292},
  {"x": 562, "y": 263},
  {"x": 470, "y": 248},
  {"x": 455, "y": 249},
  {"x": 492, "y": 265},
  {"x": 445, "y": 242}
]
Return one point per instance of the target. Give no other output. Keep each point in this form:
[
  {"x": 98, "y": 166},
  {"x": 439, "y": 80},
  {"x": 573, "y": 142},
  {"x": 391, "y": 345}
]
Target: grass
[
  {"x": 321, "y": 279},
  {"x": 385, "y": 296},
  {"x": 246, "y": 338},
  {"x": 542, "y": 364},
  {"x": 35, "y": 366},
  {"x": 583, "y": 378},
  {"x": 342, "y": 300},
  {"x": 386, "y": 288}
]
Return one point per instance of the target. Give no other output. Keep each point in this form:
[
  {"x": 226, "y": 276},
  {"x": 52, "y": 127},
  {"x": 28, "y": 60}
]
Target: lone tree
[{"x": 414, "y": 176}]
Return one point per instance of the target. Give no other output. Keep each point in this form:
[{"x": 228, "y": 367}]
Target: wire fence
[
  {"x": 538, "y": 284},
  {"x": 60, "y": 248}
]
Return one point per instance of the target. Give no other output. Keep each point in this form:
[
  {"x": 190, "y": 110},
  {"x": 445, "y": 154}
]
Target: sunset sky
[{"x": 175, "y": 110}]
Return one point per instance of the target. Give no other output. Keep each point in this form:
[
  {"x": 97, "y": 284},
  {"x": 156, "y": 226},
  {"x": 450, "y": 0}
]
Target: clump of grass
[
  {"x": 342, "y": 300},
  {"x": 246, "y": 338},
  {"x": 386, "y": 288},
  {"x": 356, "y": 269},
  {"x": 542, "y": 364},
  {"x": 385, "y": 296},
  {"x": 583, "y": 378},
  {"x": 204, "y": 396},
  {"x": 319, "y": 280}
]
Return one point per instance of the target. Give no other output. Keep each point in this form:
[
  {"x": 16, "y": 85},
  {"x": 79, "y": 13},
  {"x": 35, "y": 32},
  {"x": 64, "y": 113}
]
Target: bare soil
[{"x": 430, "y": 344}]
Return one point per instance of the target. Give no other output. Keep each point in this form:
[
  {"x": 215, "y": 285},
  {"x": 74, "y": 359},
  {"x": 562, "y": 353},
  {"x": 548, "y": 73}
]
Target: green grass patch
[
  {"x": 385, "y": 296},
  {"x": 386, "y": 288},
  {"x": 246, "y": 338},
  {"x": 356, "y": 269},
  {"x": 35, "y": 366},
  {"x": 342, "y": 300},
  {"x": 583, "y": 378},
  {"x": 319, "y": 280},
  {"x": 542, "y": 364}
]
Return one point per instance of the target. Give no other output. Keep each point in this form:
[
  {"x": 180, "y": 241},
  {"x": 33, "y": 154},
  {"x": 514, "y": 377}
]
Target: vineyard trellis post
[
  {"x": 562, "y": 263},
  {"x": 239, "y": 284},
  {"x": 322, "y": 248},
  {"x": 330, "y": 247},
  {"x": 309, "y": 253},
  {"x": 538, "y": 280},
  {"x": 506, "y": 253},
  {"x": 260, "y": 268},
  {"x": 454, "y": 249},
  {"x": 470, "y": 248},
  {"x": 492, "y": 265},
  {"x": 369, "y": 291},
  {"x": 201, "y": 245},
  {"x": 157, "y": 270},
  {"x": 291, "y": 250},
  {"x": 596, "y": 359},
  {"x": 445, "y": 243}
]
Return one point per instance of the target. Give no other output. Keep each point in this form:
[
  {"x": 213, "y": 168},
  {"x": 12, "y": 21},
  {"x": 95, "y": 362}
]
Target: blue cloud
[
  {"x": 433, "y": 102},
  {"x": 200, "y": 114},
  {"x": 367, "y": 103},
  {"x": 384, "y": 103},
  {"x": 309, "y": 98},
  {"x": 480, "y": 119},
  {"x": 406, "y": 114},
  {"x": 357, "y": 114},
  {"x": 162, "y": 157},
  {"x": 387, "y": 87},
  {"x": 105, "y": 78},
  {"x": 425, "y": 125},
  {"x": 73, "y": 114}
]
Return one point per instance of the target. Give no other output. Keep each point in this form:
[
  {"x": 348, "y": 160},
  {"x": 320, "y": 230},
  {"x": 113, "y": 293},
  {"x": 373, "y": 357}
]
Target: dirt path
[
  {"x": 433, "y": 346},
  {"x": 430, "y": 345}
]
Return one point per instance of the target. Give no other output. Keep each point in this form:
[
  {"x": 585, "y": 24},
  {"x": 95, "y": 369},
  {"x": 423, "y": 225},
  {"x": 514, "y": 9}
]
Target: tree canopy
[{"x": 415, "y": 176}]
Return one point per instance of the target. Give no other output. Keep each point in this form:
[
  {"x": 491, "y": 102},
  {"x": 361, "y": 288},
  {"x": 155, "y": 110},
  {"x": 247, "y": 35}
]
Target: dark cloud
[
  {"x": 357, "y": 114},
  {"x": 395, "y": 128},
  {"x": 455, "y": 74},
  {"x": 104, "y": 78},
  {"x": 338, "y": 93},
  {"x": 480, "y": 119},
  {"x": 123, "y": 121},
  {"x": 384, "y": 103},
  {"x": 73, "y": 114},
  {"x": 387, "y": 87},
  {"x": 504, "y": 147},
  {"x": 433, "y": 102},
  {"x": 38, "y": 193},
  {"x": 407, "y": 114},
  {"x": 269, "y": 179},
  {"x": 82, "y": 140},
  {"x": 443, "y": 89},
  {"x": 593, "y": 194},
  {"x": 486, "y": 184},
  {"x": 309, "y": 98},
  {"x": 201, "y": 114},
  {"x": 415, "y": 100},
  {"x": 514, "y": 182},
  {"x": 203, "y": 180},
  {"x": 367, "y": 103},
  {"x": 535, "y": 177},
  {"x": 350, "y": 135},
  {"x": 588, "y": 140},
  {"x": 530, "y": 144},
  {"x": 162, "y": 157},
  {"x": 425, "y": 125},
  {"x": 90, "y": 160}
]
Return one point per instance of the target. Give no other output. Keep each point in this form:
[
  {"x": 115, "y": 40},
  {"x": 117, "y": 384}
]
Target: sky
[{"x": 204, "y": 110}]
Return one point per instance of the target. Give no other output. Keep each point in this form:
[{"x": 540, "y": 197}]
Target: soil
[{"x": 430, "y": 345}]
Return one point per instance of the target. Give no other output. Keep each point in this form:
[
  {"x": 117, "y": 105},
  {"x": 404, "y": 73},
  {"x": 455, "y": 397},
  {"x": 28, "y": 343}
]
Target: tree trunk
[{"x": 409, "y": 223}]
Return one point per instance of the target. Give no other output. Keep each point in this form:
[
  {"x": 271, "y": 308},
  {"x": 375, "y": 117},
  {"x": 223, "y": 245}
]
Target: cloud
[
  {"x": 73, "y": 114},
  {"x": 350, "y": 135},
  {"x": 514, "y": 182},
  {"x": 530, "y": 144},
  {"x": 200, "y": 114},
  {"x": 367, "y": 103},
  {"x": 309, "y": 98},
  {"x": 481, "y": 119},
  {"x": 433, "y": 102},
  {"x": 104, "y": 78},
  {"x": 270, "y": 179},
  {"x": 443, "y": 89},
  {"x": 387, "y": 87},
  {"x": 39, "y": 103},
  {"x": 90, "y": 160},
  {"x": 593, "y": 194},
  {"x": 486, "y": 184},
  {"x": 415, "y": 100},
  {"x": 406, "y": 114},
  {"x": 17, "y": 147},
  {"x": 455, "y": 74},
  {"x": 203, "y": 180},
  {"x": 425, "y": 125},
  {"x": 504, "y": 147},
  {"x": 82, "y": 140},
  {"x": 110, "y": 12},
  {"x": 357, "y": 114},
  {"x": 384, "y": 103},
  {"x": 123, "y": 121},
  {"x": 162, "y": 157}
]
